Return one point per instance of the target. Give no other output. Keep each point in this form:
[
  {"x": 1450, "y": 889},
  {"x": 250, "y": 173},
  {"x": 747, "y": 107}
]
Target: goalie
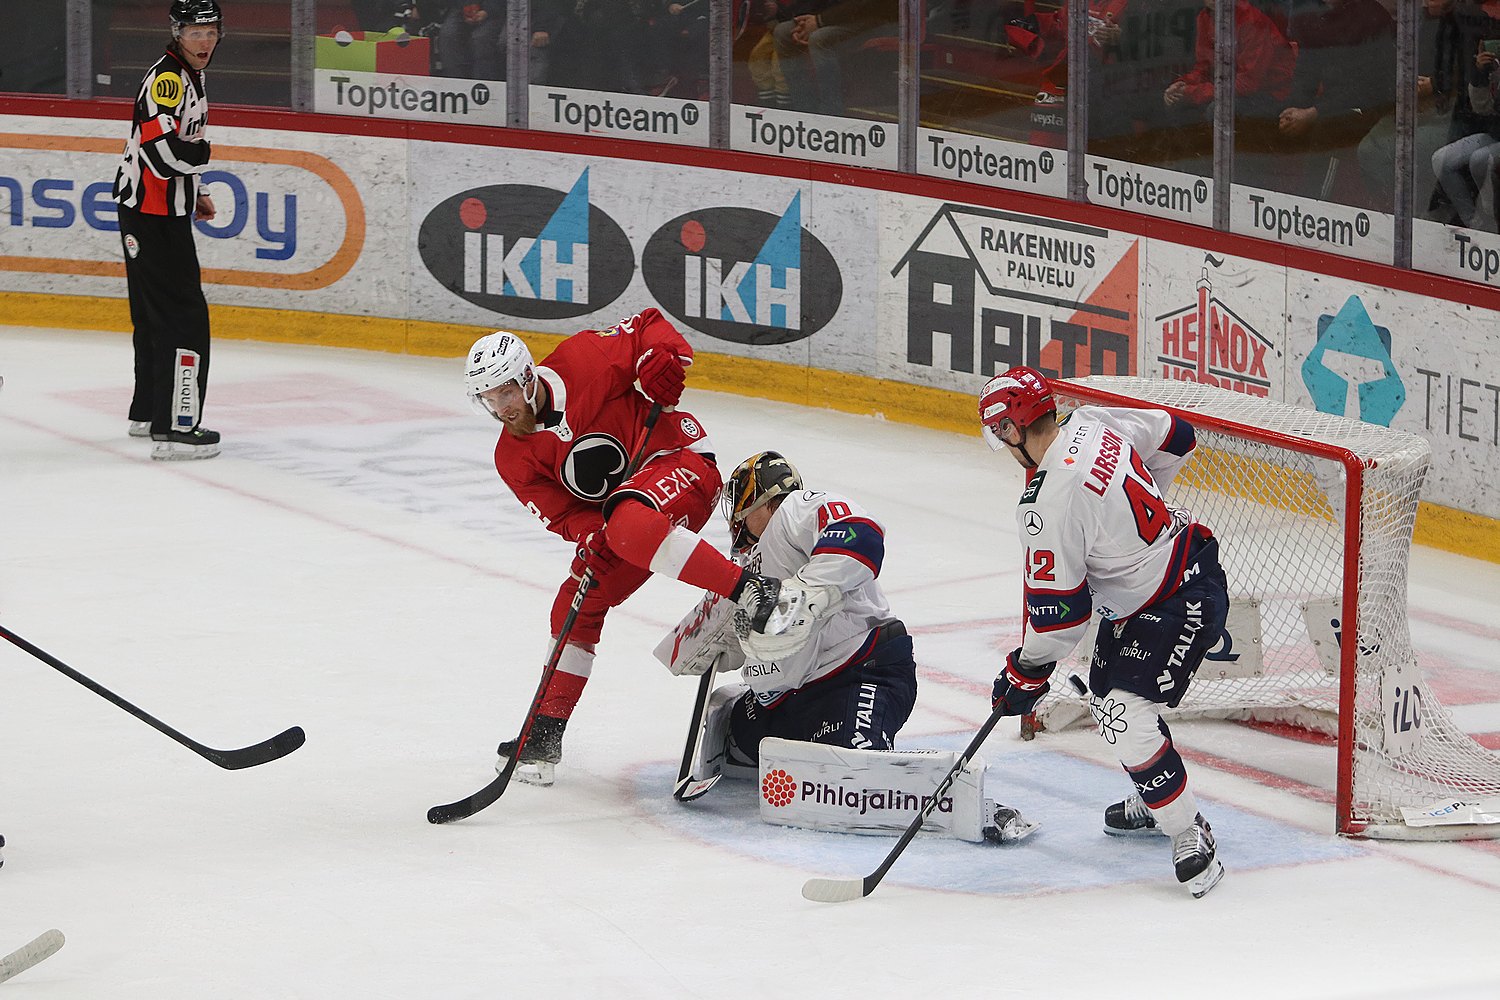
[{"x": 840, "y": 670}]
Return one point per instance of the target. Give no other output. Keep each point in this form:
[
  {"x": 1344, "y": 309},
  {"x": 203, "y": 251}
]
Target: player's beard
[{"x": 521, "y": 424}]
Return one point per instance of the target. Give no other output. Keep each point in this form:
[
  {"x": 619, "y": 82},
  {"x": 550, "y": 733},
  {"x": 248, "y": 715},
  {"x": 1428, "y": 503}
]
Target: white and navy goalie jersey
[
  {"x": 828, "y": 540},
  {"x": 166, "y": 152},
  {"x": 1097, "y": 534}
]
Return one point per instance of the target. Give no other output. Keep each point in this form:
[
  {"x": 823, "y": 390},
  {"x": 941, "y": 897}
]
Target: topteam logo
[
  {"x": 527, "y": 251},
  {"x": 742, "y": 275},
  {"x": 1352, "y": 350}
]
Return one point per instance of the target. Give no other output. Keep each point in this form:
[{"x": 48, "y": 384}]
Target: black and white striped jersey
[{"x": 167, "y": 149}]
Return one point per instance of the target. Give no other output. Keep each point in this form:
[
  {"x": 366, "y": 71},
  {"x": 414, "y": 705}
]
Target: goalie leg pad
[
  {"x": 822, "y": 787},
  {"x": 713, "y": 744}
]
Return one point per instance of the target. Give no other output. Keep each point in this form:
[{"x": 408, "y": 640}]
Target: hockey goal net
[{"x": 1314, "y": 515}]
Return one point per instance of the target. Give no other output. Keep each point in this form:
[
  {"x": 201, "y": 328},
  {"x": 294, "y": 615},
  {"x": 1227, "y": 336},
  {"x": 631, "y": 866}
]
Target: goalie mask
[
  {"x": 757, "y": 481},
  {"x": 494, "y": 360},
  {"x": 1013, "y": 402}
]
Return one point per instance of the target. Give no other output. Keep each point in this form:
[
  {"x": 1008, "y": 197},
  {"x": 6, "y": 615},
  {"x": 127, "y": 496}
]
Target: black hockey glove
[{"x": 1018, "y": 688}]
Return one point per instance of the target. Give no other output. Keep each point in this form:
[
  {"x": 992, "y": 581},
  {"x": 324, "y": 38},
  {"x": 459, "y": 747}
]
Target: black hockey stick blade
[
  {"x": 836, "y": 890},
  {"x": 276, "y": 747},
  {"x": 45, "y": 945},
  {"x": 231, "y": 760},
  {"x": 482, "y": 799}
]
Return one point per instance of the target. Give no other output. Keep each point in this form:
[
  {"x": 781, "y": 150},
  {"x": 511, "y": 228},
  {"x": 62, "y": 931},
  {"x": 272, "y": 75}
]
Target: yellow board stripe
[{"x": 940, "y": 409}]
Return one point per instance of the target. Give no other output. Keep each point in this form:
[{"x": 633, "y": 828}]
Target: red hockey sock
[{"x": 646, "y": 538}]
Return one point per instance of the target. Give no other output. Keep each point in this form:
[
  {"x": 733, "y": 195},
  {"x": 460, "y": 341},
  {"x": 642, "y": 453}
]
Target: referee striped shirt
[{"x": 159, "y": 172}]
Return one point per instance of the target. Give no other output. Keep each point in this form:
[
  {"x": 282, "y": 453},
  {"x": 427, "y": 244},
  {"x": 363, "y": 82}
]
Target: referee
[{"x": 157, "y": 190}]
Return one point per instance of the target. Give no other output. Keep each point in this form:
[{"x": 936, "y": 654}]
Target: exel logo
[
  {"x": 1352, "y": 350},
  {"x": 527, "y": 251}
]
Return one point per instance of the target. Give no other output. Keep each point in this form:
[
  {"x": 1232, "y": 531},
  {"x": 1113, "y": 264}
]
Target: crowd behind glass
[{"x": 1316, "y": 82}]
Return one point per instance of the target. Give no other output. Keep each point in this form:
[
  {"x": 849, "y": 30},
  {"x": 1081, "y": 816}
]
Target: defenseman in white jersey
[
  {"x": 1099, "y": 537},
  {"x": 843, "y": 673}
]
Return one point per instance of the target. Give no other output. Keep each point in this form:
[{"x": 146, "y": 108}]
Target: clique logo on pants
[
  {"x": 527, "y": 251},
  {"x": 743, "y": 275}
]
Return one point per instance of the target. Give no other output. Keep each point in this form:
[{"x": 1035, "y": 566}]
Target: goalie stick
[
  {"x": 490, "y": 793},
  {"x": 841, "y": 890},
  {"x": 689, "y": 788},
  {"x": 44, "y": 946},
  {"x": 231, "y": 760}
]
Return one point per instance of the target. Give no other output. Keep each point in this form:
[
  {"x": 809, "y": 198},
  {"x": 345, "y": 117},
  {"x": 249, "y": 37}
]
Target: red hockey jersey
[{"x": 589, "y": 423}]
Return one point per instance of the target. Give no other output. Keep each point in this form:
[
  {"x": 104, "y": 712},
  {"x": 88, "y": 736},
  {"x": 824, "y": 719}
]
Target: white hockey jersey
[
  {"x": 828, "y": 540},
  {"x": 1097, "y": 533}
]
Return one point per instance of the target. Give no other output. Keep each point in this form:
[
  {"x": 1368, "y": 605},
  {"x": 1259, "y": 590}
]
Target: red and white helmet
[{"x": 1019, "y": 397}]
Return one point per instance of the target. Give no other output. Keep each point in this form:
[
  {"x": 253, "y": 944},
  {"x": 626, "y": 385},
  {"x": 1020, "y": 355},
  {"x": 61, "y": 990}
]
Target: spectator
[
  {"x": 471, "y": 44},
  {"x": 679, "y": 48},
  {"x": 1438, "y": 66},
  {"x": 1264, "y": 63},
  {"x": 602, "y": 47},
  {"x": 809, "y": 46},
  {"x": 1465, "y": 165},
  {"x": 1344, "y": 82},
  {"x": 765, "y": 66}
]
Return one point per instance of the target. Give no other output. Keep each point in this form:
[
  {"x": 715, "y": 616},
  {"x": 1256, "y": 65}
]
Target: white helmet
[{"x": 495, "y": 359}]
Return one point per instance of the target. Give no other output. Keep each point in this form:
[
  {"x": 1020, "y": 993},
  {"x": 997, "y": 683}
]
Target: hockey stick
[
  {"x": 486, "y": 796},
  {"x": 688, "y": 788},
  {"x": 44, "y": 946},
  {"x": 277, "y": 746},
  {"x": 841, "y": 890}
]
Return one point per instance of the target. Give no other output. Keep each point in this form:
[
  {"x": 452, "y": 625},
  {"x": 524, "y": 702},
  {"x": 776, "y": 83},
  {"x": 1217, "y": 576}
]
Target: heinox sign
[
  {"x": 527, "y": 251},
  {"x": 743, "y": 275}
]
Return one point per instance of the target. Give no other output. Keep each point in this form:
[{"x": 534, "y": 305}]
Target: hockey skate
[
  {"x": 540, "y": 755},
  {"x": 140, "y": 428},
  {"x": 1194, "y": 857},
  {"x": 1005, "y": 825},
  {"x": 182, "y": 445},
  {"x": 1130, "y": 818},
  {"x": 2, "y": 859}
]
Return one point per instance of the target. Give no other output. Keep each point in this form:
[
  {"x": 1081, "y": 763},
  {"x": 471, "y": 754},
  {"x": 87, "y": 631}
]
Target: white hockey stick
[{"x": 24, "y": 957}]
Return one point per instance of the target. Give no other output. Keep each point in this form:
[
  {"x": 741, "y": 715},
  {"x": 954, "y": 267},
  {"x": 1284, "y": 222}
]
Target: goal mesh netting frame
[{"x": 1273, "y": 482}]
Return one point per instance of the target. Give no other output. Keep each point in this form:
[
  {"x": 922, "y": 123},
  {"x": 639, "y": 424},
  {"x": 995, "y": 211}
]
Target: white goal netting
[{"x": 1271, "y": 480}]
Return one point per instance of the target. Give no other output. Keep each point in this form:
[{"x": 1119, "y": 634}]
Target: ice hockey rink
[{"x": 353, "y": 565}]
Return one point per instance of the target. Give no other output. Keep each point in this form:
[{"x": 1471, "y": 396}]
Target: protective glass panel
[
  {"x": 1315, "y": 110},
  {"x": 250, "y": 65},
  {"x": 817, "y": 80},
  {"x": 993, "y": 91}
]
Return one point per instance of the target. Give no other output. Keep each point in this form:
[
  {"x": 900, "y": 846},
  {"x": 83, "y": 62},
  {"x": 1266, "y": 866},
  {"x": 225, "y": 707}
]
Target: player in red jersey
[{"x": 572, "y": 423}]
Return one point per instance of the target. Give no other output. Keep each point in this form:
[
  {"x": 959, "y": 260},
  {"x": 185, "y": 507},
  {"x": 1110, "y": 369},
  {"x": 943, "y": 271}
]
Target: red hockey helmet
[{"x": 1019, "y": 397}]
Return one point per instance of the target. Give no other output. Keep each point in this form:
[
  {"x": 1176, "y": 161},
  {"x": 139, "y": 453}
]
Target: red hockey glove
[
  {"x": 594, "y": 553},
  {"x": 662, "y": 376},
  {"x": 1019, "y": 688}
]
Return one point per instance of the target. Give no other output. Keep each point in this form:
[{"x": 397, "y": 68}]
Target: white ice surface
[{"x": 352, "y": 564}]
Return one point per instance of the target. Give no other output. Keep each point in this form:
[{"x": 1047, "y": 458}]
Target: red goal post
[{"x": 1277, "y": 483}]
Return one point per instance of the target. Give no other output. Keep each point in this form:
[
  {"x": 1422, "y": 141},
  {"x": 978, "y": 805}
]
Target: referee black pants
[{"x": 167, "y": 309}]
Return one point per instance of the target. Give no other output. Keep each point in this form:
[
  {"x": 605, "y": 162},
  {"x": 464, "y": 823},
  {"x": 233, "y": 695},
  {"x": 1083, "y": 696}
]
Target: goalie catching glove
[
  {"x": 775, "y": 619},
  {"x": 1019, "y": 688}
]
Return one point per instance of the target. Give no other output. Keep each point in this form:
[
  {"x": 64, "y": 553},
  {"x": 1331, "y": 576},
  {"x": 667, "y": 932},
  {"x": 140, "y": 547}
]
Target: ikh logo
[
  {"x": 744, "y": 276},
  {"x": 527, "y": 251},
  {"x": 1353, "y": 351},
  {"x": 778, "y": 788}
]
